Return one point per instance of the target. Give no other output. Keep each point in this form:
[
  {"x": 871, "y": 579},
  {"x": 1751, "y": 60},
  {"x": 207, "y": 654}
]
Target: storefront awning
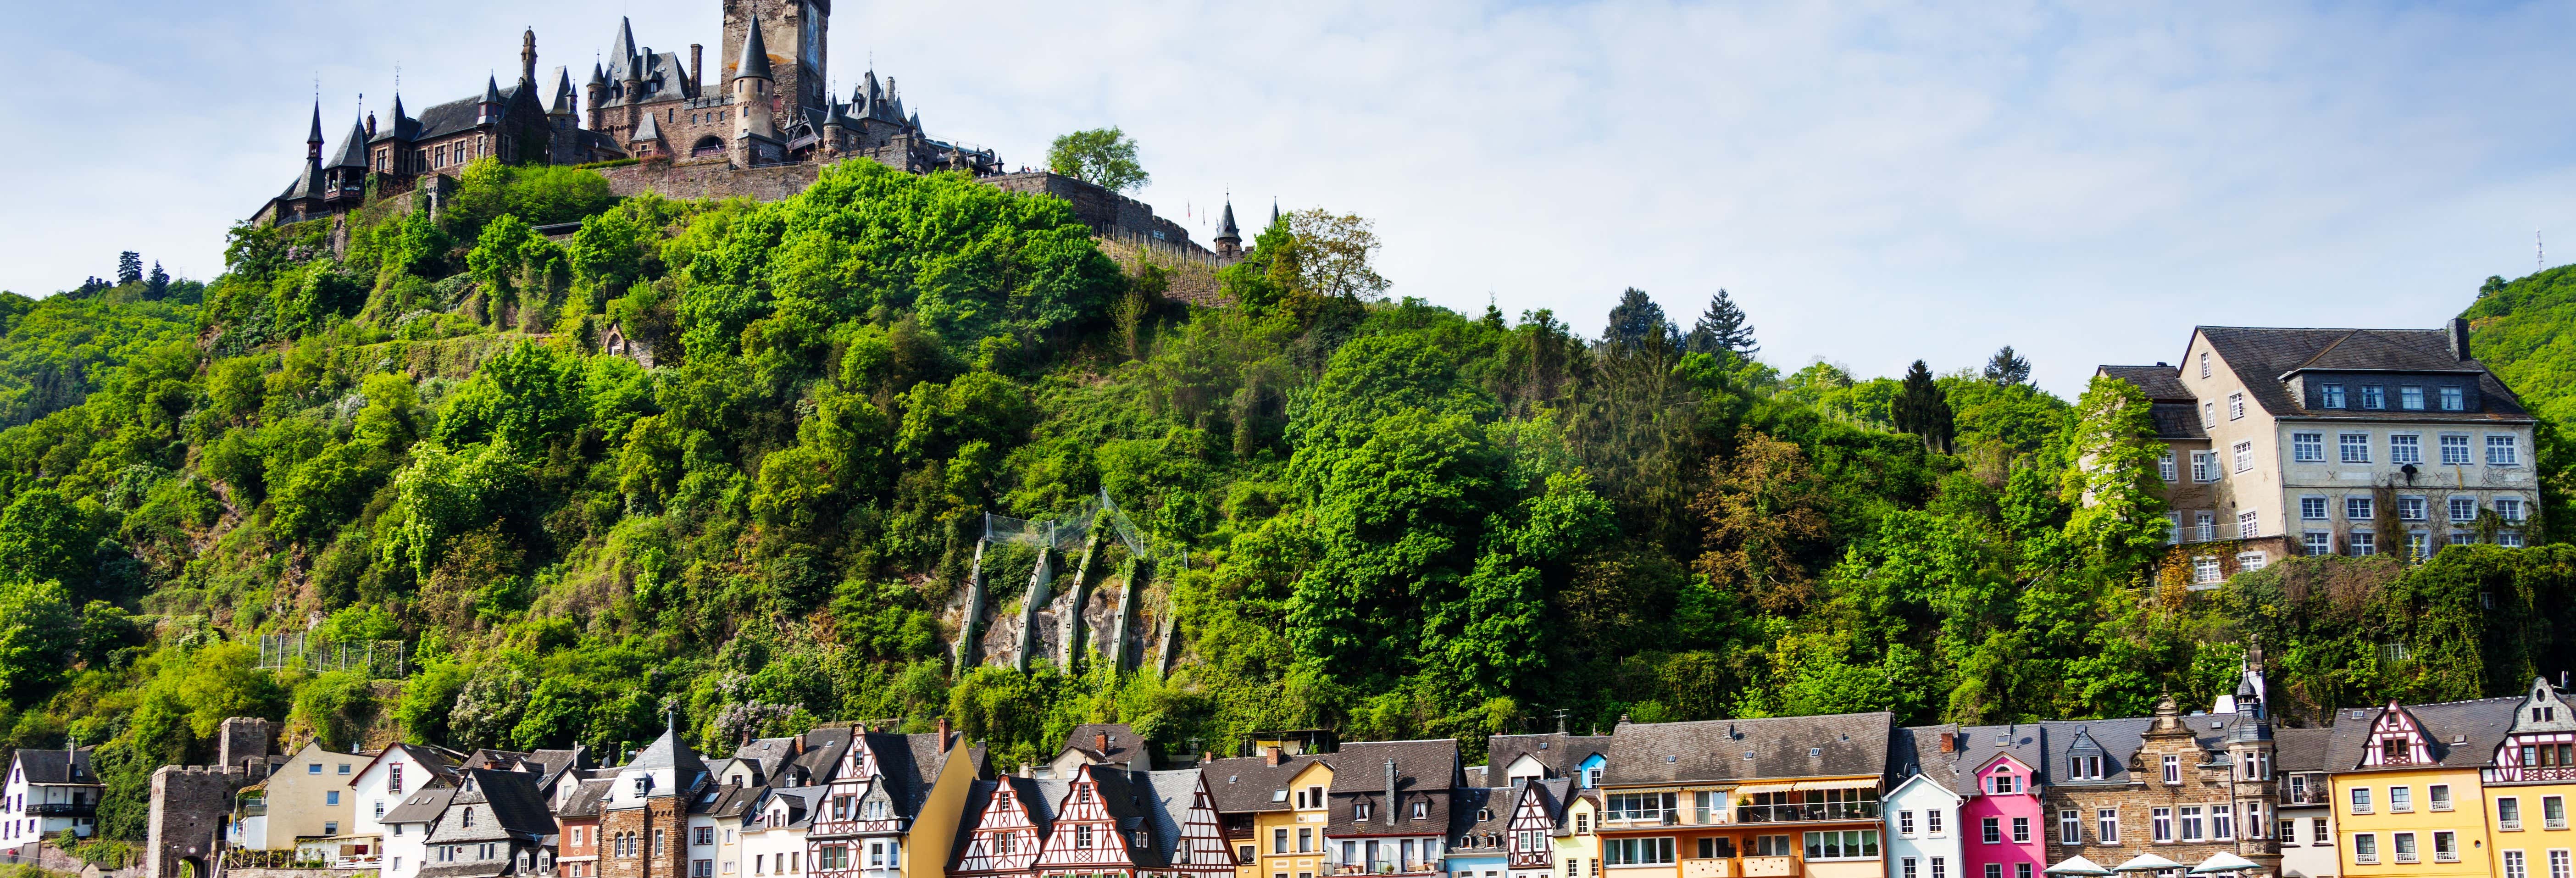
[
  {"x": 1750, "y": 789},
  {"x": 1869, "y": 784}
]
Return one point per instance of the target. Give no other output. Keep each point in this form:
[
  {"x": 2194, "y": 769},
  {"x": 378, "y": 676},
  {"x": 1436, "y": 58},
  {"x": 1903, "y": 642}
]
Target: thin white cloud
[{"x": 1876, "y": 182}]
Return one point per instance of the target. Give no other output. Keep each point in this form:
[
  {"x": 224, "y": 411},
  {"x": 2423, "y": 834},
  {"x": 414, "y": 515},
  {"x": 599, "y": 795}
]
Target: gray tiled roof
[
  {"x": 1843, "y": 744},
  {"x": 512, "y": 807},
  {"x": 668, "y": 751},
  {"x": 2463, "y": 734},
  {"x": 1247, "y": 784},
  {"x": 1957, "y": 769},
  {"x": 2301, "y": 749},
  {"x": 1561, "y": 753},
  {"x": 585, "y": 799},
  {"x": 424, "y": 806},
  {"x": 755, "y": 57},
  {"x": 766, "y": 755},
  {"x": 2262, "y": 357},
  {"x": 57, "y": 766},
  {"x": 1123, "y": 742},
  {"x": 1424, "y": 772},
  {"x": 2175, "y": 420},
  {"x": 2161, "y": 383},
  {"x": 353, "y": 148},
  {"x": 1167, "y": 803}
]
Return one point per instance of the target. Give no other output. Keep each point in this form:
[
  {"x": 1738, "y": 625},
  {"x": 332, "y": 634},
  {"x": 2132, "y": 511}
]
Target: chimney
[
  {"x": 697, "y": 68},
  {"x": 943, "y": 734},
  {"x": 2459, "y": 338},
  {"x": 1949, "y": 742},
  {"x": 796, "y": 746},
  {"x": 371, "y": 126},
  {"x": 1272, "y": 756},
  {"x": 1390, "y": 792},
  {"x": 1103, "y": 742}
]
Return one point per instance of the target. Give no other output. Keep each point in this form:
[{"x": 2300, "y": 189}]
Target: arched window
[{"x": 707, "y": 146}]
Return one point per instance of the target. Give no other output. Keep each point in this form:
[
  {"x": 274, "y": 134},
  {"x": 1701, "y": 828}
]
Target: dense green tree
[
  {"x": 2006, "y": 367},
  {"x": 1103, "y": 157},
  {"x": 1635, "y": 318},
  {"x": 1923, "y": 409},
  {"x": 1723, "y": 328}
]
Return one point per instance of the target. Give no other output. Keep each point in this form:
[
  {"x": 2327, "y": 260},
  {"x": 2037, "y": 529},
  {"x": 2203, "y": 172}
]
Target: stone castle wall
[{"x": 189, "y": 804}]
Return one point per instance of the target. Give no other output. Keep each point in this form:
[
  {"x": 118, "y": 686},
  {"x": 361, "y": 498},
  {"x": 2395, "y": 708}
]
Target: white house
[
  {"x": 49, "y": 791},
  {"x": 774, "y": 842},
  {"x": 383, "y": 783},
  {"x": 407, "y": 826},
  {"x": 1922, "y": 813}
]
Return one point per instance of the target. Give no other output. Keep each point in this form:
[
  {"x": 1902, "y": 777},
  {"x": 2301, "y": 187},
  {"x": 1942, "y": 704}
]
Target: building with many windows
[
  {"x": 1922, "y": 811},
  {"x": 1751, "y": 797},
  {"x": 2303, "y": 825},
  {"x": 2404, "y": 787},
  {"x": 2529, "y": 783},
  {"x": 2335, "y": 441},
  {"x": 48, "y": 791}
]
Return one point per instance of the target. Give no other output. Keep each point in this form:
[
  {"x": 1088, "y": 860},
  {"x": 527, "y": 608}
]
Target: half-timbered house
[
  {"x": 1099, "y": 829},
  {"x": 887, "y": 795},
  {"x": 2528, "y": 785},
  {"x": 1007, "y": 824},
  {"x": 1538, "y": 807},
  {"x": 1183, "y": 813}
]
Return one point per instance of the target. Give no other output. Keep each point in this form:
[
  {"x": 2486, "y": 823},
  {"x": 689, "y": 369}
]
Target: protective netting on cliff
[{"x": 1067, "y": 533}]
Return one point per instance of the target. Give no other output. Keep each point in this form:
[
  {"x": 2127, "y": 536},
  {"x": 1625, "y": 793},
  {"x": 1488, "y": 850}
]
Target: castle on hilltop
[{"x": 761, "y": 126}]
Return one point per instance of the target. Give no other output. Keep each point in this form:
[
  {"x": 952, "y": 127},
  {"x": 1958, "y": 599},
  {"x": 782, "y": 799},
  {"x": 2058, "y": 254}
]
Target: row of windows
[
  {"x": 2410, "y": 397},
  {"x": 2446, "y": 847},
  {"x": 2502, "y": 450},
  {"x": 2362, "y": 507},
  {"x": 2401, "y": 799},
  {"x": 2517, "y": 866},
  {"x": 2363, "y": 544},
  {"x": 2553, "y": 813}
]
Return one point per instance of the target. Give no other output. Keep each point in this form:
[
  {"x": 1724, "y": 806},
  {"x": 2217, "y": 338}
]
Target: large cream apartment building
[{"x": 2336, "y": 441}]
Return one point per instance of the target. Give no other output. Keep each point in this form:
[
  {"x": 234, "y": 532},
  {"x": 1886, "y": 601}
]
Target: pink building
[{"x": 2004, "y": 834}]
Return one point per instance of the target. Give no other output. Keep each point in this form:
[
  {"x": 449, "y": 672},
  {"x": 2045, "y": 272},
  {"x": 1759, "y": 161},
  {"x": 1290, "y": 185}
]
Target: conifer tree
[
  {"x": 1922, "y": 409},
  {"x": 156, "y": 286},
  {"x": 2007, "y": 368},
  {"x": 1723, "y": 328},
  {"x": 1636, "y": 317},
  {"x": 129, "y": 267}
]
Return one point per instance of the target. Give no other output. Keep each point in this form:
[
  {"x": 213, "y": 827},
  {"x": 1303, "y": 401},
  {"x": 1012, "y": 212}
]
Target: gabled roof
[
  {"x": 422, "y": 806},
  {"x": 1122, "y": 748},
  {"x": 458, "y": 115},
  {"x": 2265, "y": 358},
  {"x": 508, "y": 798},
  {"x": 2460, "y": 734},
  {"x": 2160, "y": 382},
  {"x": 441, "y": 767},
  {"x": 1249, "y": 783},
  {"x": 1562, "y": 753},
  {"x": 1419, "y": 765},
  {"x": 57, "y": 766},
  {"x": 1846, "y": 744},
  {"x": 767, "y": 755},
  {"x": 586, "y": 798},
  {"x": 1167, "y": 796}
]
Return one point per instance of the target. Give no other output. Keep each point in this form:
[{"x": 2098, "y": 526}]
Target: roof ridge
[{"x": 2323, "y": 351}]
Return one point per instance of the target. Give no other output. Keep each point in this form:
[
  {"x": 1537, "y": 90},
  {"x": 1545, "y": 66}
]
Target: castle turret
[
  {"x": 595, "y": 91},
  {"x": 755, "y": 136},
  {"x": 488, "y": 110},
  {"x": 528, "y": 57},
  {"x": 1228, "y": 240},
  {"x": 313, "y": 142}
]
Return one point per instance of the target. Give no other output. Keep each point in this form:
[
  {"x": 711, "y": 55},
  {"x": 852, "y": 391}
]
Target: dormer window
[
  {"x": 2005, "y": 783},
  {"x": 2330, "y": 396},
  {"x": 1421, "y": 810},
  {"x": 643, "y": 785},
  {"x": 1360, "y": 810}
]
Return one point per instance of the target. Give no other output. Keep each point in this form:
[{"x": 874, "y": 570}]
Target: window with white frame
[
  {"x": 2203, "y": 468},
  {"x": 2401, "y": 800},
  {"x": 2404, "y": 843},
  {"x": 2453, "y": 400},
  {"x": 2208, "y": 413},
  {"x": 2330, "y": 396},
  {"x": 2365, "y": 848},
  {"x": 2106, "y": 825},
  {"x": 2405, "y": 448},
  {"x": 2374, "y": 396},
  {"x": 2509, "y": 539},
  {"x": 2204, "y": 525},
  {"x": 2165, "y": 465},
  {"x": 2462, "y": 538},
  {"x": 2455, "y": 451},
  {"x": 2173, "y": 527},
  {"x": 2250, "y": 561},
  {"x": 2204, "y": 364},
  {"x": 2249, "y": 524},
  {"x": 2222, "y": 823},
  {"x": 2070, "y": 827},
  {"x": 2173, "y": 769},
  {"x": 2192, "y": 828},
  {"x": 2358, "y": 508},
  {"x": 2318, "y": 542},
  {"x": 2464, "y": 509},
  {"x": 2236, "y": 406},
  {"x": 2354, "y": 446},
  {"x": 2312, "y": 509},
  {"x": 2204, "y": 570},
  {"x": 2503, "y": 451},
  {"x": 2410, "y": 398},
  {"x": 2509, "y": 509},
  {"x": 2412, "y": 508},
  {"x": 2161, "y": 819},
  {"x": 2308, "y": 447},
  {"x": 2244, "y": 456},
  {"x": 2364, "y": 544}
]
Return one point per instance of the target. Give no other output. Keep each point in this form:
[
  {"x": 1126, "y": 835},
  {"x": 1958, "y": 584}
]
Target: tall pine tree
[
  {"x": 1723, "y": 328},
  {"x": 2007, "y": 368},
  {"x": 129, "y": 267},
  {"x": 1922, "y": 409},
  {"x": 1636, "y": 317}
]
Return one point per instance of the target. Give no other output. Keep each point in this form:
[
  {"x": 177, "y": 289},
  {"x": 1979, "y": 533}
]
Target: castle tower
[
  {"x": 795, "y": 26},
  {"x": 597, "y": 89},
  {"x": 755, "y": 137},
  {"x": 313, "y": 142},
  {"x": 1228, "y": 240},
  {"x": 528, "y": 57}
]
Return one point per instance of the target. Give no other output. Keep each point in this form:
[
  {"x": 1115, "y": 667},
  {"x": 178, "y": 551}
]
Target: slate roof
[
  {"x": 727, "y": 801},
  {"x": 1465, "y": 831},
  {"x": 424, "y": 806},
  {"x": 1123, "y": 742},
  {"x": 57, "y": 766},
  {"x": 586, "y": 798},
  {"x": 2301, "y": 749},
  {"x": 353, "y": 148},
  {"x": 668, "y": 751},
  {"x": 2118, "y": 738},
  {"x": 2160, "y": 382},
  {"x": 2463, "y": 734},
  {"x": 556, "y": 763},
  {"x": 1914, "y": 750},
  {"x": 510, "y": 800},
  {"x": 755, "y": 57},
  {"x": 1424, "y": 771},
  {"x": 1563, "y": 754},
  {"x": 767, "y": 755},
  {"x": 1845, "y": 744},
  {"x": 821, "y": 761},
  {"x": 2264, "y": 358},
  {"x": 647, "y": 131},
  {"x": 1124, "y": 794},
  {"x": 1167, "y": 796},
  {"x": 463, "y": 114},
  {"x": 979, "y": 798},
  {"x": 1249, "y": 783}
]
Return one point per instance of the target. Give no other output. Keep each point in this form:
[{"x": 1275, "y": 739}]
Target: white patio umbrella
[
  {"x": 2224, "y": 862},
  {"x": 2077, "y": 865},
  {"x": 2146, "y": 863}
]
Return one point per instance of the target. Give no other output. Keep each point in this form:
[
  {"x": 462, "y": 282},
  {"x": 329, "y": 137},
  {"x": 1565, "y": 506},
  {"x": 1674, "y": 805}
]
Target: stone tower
[
  {"x": 793, "y": 31},
  {"x": 755, "y": 136},
  {"x": 1229, "y": 239}
]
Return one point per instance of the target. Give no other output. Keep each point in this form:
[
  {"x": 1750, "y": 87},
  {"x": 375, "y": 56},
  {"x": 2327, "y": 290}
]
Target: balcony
[
  {"x": 64, "y": 809},
  {"x": 1807, "y": 813},
  {"x": 1770, "y": 867},
  {"x": 1717, "y": 868},
  {"x": 2366, "y": 859}
]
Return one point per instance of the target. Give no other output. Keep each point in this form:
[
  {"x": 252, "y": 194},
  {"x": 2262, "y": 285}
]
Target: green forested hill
[{"x": 1400, "y": 521}]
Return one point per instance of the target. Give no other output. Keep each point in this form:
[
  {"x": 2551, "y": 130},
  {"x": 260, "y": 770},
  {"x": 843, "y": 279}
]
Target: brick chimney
[
  {"x": 943, "y": 734},
  {"x": 1949, "y": 742},
  {"x": 697, "y": 68},
  {"x": 1272, "y": 757},
  {"x": 1103, "y": 743}
]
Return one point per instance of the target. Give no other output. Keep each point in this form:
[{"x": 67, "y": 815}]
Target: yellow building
[
  {"x": 1273, "y": 809},
  {"x": 1578, "y": 842},
  {"x": 2529, "y": 782},
  {"x": 2406, "y": 788},
  {"x": 1751, "y": 798}
]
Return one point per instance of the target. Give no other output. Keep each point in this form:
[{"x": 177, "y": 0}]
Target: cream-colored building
[
  {"x": 304, "y": 801},
  {"x": 2336, "y": 441}
]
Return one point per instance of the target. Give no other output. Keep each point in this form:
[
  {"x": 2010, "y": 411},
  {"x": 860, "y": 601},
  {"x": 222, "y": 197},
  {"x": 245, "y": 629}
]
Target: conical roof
[
  {"x": 622, "y": 48},
  {"x": 491, "y": 89},
  {"x": 916, "y": 122},
  {"x": 647, "y": 131},
  {"x": 1225, "y": 229},
  {"x": 598, "y": 74},
  {"x": 353, "y": 149},
  {"x": 316, "y": 137},
  {"x": 755, "y": 57},
  {"x": 562, "y": 103}
]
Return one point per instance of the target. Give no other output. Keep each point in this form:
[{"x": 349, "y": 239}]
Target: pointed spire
[
  {"x": 316, "y": 137},
  {"x": 1274, "y": 211},
  {"x": 755, "y": 57},
  {"x": 562, "y": 104},
  {"x": 915, "y": 123},
  {"x": 1225, "y": 228},
  {"x": 598, "y": 74},
  {"x": 353, "y": 149},
  {"x": 623, "y": 50},
  {"x": 491, "y": 89}
]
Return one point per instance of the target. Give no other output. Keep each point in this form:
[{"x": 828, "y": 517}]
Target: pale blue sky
[{"x": 1875, "y": 182}]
